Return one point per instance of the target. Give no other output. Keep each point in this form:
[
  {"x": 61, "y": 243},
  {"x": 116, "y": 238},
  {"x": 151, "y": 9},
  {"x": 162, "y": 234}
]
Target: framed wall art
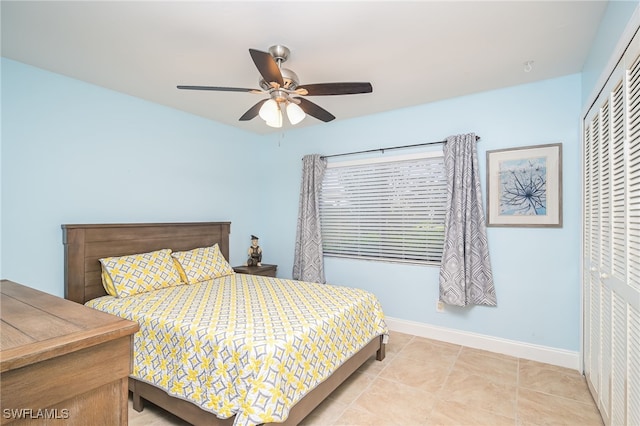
[{"x": 524, "y": 186}]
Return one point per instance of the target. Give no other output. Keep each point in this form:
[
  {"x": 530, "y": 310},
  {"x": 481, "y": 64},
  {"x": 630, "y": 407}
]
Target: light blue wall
[
  {"x": 77, "y": 153},
  {"x": 536, "y": 271}
]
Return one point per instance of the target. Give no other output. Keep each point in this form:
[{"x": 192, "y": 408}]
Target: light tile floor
[{"x": 427, "y": 382}]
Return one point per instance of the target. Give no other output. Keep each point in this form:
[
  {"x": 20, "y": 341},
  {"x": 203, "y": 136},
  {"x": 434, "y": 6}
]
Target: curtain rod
[{"x": 382, "y": 150}]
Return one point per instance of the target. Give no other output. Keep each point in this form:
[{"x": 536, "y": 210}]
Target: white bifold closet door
[{"x": 611, "y": 238}]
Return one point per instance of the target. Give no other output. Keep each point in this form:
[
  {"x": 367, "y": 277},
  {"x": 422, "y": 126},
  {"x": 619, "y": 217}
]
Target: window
[{"x": 385, "y": 209}]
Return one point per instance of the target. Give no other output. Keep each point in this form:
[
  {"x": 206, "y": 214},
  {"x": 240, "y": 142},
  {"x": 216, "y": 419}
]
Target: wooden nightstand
[{"x": 265, "y": 270}]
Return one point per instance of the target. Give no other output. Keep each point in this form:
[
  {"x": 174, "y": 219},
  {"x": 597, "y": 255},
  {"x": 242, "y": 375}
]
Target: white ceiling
[{"x": 412, "y": 52}]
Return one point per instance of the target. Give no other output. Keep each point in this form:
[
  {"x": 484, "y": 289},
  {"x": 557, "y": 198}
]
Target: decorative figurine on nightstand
[{"x": 254, "y": 252}]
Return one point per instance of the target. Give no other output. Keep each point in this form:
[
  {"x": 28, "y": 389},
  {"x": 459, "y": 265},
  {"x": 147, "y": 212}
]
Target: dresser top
[{"x": 36, "y": 326}]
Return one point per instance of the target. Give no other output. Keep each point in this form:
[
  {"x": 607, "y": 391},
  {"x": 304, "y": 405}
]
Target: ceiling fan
[{"x": 285, "y": 92}]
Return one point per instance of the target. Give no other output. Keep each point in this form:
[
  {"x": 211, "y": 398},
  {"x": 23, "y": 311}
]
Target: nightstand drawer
[{"x": 264, "y": 270}]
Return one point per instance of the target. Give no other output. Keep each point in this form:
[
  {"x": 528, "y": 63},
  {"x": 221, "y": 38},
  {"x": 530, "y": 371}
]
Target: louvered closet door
[{"x": 611, "y": 276}]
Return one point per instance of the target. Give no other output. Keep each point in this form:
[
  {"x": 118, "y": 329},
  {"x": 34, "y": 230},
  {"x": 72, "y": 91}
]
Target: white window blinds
[{"x": 385, "y": 209}]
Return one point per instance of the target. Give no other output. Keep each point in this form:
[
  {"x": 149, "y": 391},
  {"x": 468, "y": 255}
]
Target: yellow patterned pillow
[
  {"x": 201, "y": 264},
  {"x": 127, "y": 275},
  {"x": 183, "y": 277},
  {"x": 107, "y": 283}
]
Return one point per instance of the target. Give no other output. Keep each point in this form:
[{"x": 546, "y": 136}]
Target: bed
[{"x": 84, "y": 245}]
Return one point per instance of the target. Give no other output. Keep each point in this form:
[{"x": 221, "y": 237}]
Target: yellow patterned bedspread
[{"x": 243, "y": 344}]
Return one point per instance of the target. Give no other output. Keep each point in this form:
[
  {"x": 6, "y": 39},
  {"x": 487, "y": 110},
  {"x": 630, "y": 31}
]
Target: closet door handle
[
  {"x": 604, "y": 275},
  {"x": 594, "y": 269}
]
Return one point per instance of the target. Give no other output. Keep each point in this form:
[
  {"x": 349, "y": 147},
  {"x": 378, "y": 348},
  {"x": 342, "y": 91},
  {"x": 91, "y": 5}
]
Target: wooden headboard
[{"x": 85, "y": 244}]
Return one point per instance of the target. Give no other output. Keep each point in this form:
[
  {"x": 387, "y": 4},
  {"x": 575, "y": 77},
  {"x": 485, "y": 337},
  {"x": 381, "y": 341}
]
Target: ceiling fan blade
[
  {"x": 323, "y": 89},
  {"x": 220, "y": 89},
  {"x": 267, "y": 66},
  {"x": 253, "y": 111},
  {"x": 315, "y": 110}
]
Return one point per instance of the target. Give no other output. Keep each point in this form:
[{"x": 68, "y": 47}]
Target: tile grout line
[
  {"x": 439, "y": 393},
  {"x": 374, "y": 376}
]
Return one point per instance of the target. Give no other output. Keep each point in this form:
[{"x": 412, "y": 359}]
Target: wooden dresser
[{"x": 61, "y": 362}]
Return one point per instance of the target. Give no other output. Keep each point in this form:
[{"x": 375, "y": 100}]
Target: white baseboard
[{"x": 548, "y": 355}]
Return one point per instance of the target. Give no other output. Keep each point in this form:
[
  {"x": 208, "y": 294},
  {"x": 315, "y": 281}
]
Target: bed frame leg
[
  {"x": 138, "y": 403},
  {"x": 380, "y": 353}
]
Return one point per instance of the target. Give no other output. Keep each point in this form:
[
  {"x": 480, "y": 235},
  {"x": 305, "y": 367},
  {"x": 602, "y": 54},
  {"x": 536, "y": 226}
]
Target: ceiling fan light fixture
[
  {"x": 270, "y": 111},
  {"x": 295, "y": 113},
  {"x": 277, "y": 121}
]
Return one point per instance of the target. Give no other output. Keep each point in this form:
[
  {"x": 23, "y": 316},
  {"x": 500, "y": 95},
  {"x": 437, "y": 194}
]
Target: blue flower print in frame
[{"x": 524, "y": 186}]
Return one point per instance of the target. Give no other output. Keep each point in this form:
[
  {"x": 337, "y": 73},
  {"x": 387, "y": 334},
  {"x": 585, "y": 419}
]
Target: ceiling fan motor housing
[
  {"x": 281, "y": 54},
  {"x": 289, "y": 77}
]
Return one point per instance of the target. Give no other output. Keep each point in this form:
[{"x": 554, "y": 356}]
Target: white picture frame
[{"x": 524, "y": 186}]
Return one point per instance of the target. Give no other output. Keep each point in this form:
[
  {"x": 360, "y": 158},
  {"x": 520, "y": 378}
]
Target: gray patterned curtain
[
  {"x": 465, "y": 272},
  {"x": 307, "y": 262}
]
